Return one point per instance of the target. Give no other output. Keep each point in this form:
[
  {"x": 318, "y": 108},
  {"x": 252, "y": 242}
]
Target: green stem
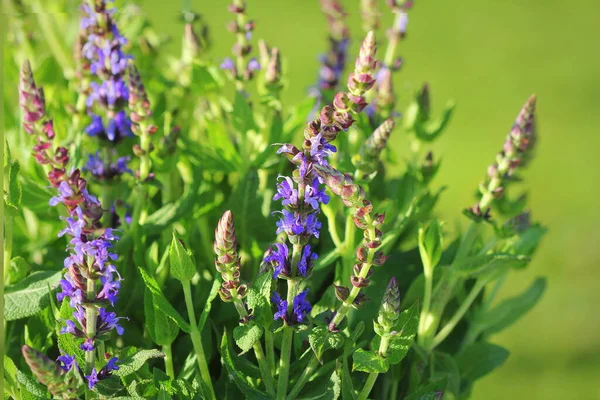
[
  {"x": 258, "y": 349},
  {"x": 428, "y": 275},
  {"x": 372, "y": 378},
  {"x": 197, "y": 340},
  {"x": 347, "y": 304},
  {"x": 307, "y": 373},
  {"x": 284, "y": 362},
  {"x": 270, "y": 345},
  {"x": 390, "y": 51},
  {"x": 242, "y": 41},
  {"x": 446, "y": 330},
  {"x": 169, "y": 361},
  {"x": 91, "y": 315},
  {"x": 52, "y": 38},
  {"x": 331, "y": 226},
  {"x": 8, "y": 242},
  {"x": 349, "y": 246}
]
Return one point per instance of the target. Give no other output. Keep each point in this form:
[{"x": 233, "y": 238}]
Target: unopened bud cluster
[
  {"x": 240, "y": 69},
  {"x": 368, "y": 158},
  {"x": 517, "y": 151},
  {"x": 59, "y": 377},
  {"x": 389, "y": 311},
  {"x": 334, "y": 61},
  {"x": 228, "y": 260}
]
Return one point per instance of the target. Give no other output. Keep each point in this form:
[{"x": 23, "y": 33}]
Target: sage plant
[{"x": 335, "y": 275}]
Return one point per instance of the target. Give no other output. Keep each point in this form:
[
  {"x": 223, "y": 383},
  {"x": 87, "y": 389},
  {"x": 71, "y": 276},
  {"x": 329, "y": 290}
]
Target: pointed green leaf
[
  {"x": 479, "y": 359},
  {"x": 161, "y": 302},
  {"x": 321, "y": 340},
  {"x": 214, "y": 290},
  {"x": 131, "y": 360},
  {"x": 29, "y": 296},
  {"x": 183, "y": 267},
  {"x": 236, "y": 375},
  {"x": 478, "y": 264},
  {"x": 246, "y": 336},
  {"x": 369, "y": 361}
]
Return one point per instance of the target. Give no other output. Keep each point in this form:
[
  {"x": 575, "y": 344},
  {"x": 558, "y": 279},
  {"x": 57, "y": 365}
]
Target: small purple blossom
[
  {"x": 64, "y": 193},
  {"x": 313, "y": 195},
  {"x": 253, "y": 65},
  {"x": 108, "y": 321},
  {"x": 66, "y": 362},
  {"x": 88, "y": 344},
  {"x": 92, "y": 378},
  {"x": 279, "y": 259},
  {"x": 307, "y": 260},
  {"x": 69, "y": 290},
  {"x": 301, "y": 306},
  {"x": 286, "y": 192},
  {"x": 227, "y": 64},
  {"x": 281, "y": 306},
  {"x": 69, "y": 327}
]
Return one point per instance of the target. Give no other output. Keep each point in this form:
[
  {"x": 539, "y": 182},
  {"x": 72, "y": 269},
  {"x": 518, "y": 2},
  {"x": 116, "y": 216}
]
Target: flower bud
[{"x": 390, "y": 307}]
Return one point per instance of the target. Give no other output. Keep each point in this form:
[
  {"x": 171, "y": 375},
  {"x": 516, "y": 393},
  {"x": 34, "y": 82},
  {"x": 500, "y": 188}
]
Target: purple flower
[
  {"x": 281, "y": 306},
  {"x": 88, "y": 344},
  {"x": 295, "y": 224},
  {"x": 307, "y": 260},
  {"x": 69, "y": 290},
  {"x": 66, "y": 362},
  {"x": 64, "y": 193},
  {"x": 227, "y": 64},
  {"x": 92, "y": 378},
  {"x": 286, "y": 192},
  {"x": 109, "y": 93},
  {"x": 111, "y": 365},
  {"x": 320, "y": 149},
  {"x": 253, "y": 65},
  {"x": 110, "y": 289},
  {"x": 69, "y": 328},
  {"x": 313, "y": 195},
  {"x": 105, "y": 171},
  {"x": 108, "y": 321},
  {"x": 279, "y": 260},
  {"x": 301, "y": 306}
]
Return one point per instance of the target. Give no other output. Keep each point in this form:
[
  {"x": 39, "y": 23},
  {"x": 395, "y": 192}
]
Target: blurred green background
[{"x": 488, "y": 56}]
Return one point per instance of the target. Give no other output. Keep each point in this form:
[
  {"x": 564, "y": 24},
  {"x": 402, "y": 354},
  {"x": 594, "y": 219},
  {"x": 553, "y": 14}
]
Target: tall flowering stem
[
  {"x": 142, "y": 126},
  {"x": 232, "y": 290},
  {"x": 302, "y": 194},
  {"x": 368, "y": 255},
  {"x": 516, "y": 153},
  {"x": 334, "y": 61},
  {"x": 241, "y": 69},
  {"x": 91, "y": 282}
]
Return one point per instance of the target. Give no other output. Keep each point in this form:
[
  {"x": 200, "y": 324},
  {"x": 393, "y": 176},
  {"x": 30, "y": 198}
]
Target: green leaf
[
  {"x": 429, "y": 391},
  {"x": 10, "y": 376},
  {"x": 259, "y": 300},
  {"x": 478, "y": 264},
  {"x": 14, "y": 185},
  {"x": 510, "y": 310},
  {"x": 321, "y": 340},
  {"x": 214, "y": 290},
  {"x": 446, "y": 368},
  {"x": 161, "y": 302},
  {"x": 204, "y": 80},
  {"x": 246, "y": 336},
  {"x": 331, "y": 391},
  {"x": 69, "y": 344},
  {"x": 430, "y": 245},
  {"x": 29, "y": 296},
  {"x": 109, "y": 386},
  {"x": 161, "y": 328},
  {"x": 31, "y": 386},
  {"x": 19, "y": 268},
  {"x": 406, "y": 326},
  {"x": 249, "y": 391},
  {"x": 242, "y": 115},
  {"x": 181, "y": 259},
  {"x": 131, "y": 360},
  {"x": 369, "y": 361},
  {"x": 479, "y": 359}
]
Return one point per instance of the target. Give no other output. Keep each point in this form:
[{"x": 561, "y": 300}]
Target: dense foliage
[{"x": 325, "y": 276}]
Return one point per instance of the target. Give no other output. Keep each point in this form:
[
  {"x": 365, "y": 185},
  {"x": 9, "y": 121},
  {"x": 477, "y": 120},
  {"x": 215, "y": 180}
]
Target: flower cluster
[
  {"x": 239, "y": 68},
  {"x": 334, "y": 61},
  {"x": 104, "y": 171},
  {"x": 107, "y": 61},
  {"x": 517, "y": 152},
  {"x": 91, "y": 281}
]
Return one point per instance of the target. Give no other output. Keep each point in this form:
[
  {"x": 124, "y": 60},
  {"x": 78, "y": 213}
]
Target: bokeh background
[{"x": 488, "y": 56}]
